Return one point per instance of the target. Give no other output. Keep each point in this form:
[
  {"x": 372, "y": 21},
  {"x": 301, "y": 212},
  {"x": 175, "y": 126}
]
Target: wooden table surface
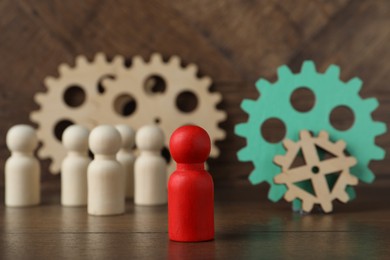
[{"x": 247, "y": 227}]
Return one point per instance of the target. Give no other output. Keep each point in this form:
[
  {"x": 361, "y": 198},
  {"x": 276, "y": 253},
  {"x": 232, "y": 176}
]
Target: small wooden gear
[{"x": 315, "y": 170}]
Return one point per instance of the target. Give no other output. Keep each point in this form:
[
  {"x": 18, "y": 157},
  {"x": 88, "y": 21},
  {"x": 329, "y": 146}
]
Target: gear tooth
[
  {"x": 323, "y": 134},
  {"x": 367, "y": 176},
  {"x": 192, "y": 69},
  {"x": 378, "y": 153},
  {"x": 276, "y": 192},
  {"x": 379, "y": 128},
  {"x": 64, "y": 69},
  {"x": 304, "y": 134},
  {"x": 256, "y": 177},
  {"x": 343, "y": 196},
  {"x": 341, "y": 144},
  {"x": 307, "y": 206},
  {"x": 216, "y": 97},
  {"x": 355, "y": 85},
  {"x": 221, "y": 116},
  {"x": 49, "y": 81},
  {"x": 34, "y": 116},
  {"x": 351, "y": 161},
  {"x": 100, "y": 57},
  {"x": 284, "y": 72},
  {"x": 39, "y": 98},
  {"x": 206, "y": 81},
  {"x": 248, "y": 105},
  {"x": 241, "y": 129},
  {"x": 351, "y": 192},
  {"x": 262, "y": 84},
  {"x": 288, "y": 144},
  {"x": 279, "y": 179},
  {"x": 353, "y": 180},
  {"x": 244, "y": 155},
  {"x": 327, "y": 206},
  {"x": 333, "y": 71},
  {"x": 53, "y": 168},
  {"x": 137, "y": 61},
  {"x": 118, "y": 61},
  {"x": 289, "y": 196},
  {"x": 156, "y": 58},
  {"x": 42, "y": 153},
  {"x": 308, "y": 67},
  {"x": 81, "y": 61},
  {"x": 174, "y": 61},
  {"x": 220, "y": 134},
  {"x": 371, "y": 104},
  {"x": 279, "y": 160}
]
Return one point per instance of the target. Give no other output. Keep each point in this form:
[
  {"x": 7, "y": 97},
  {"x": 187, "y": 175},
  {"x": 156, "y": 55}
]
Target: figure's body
[
  {"x": 150, "y": 167},
  {"x": 126, "y": 158},
  {"x": 106, "y": 193},
  {"x": 190, "y": 187},
  {"x": 22, "y": 169},
  {"x": 74, "y": 190}
]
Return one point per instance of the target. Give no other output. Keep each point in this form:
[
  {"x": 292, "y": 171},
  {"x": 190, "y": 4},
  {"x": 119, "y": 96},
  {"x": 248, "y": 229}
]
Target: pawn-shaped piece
[
  {"x": 126, "y": 158},
  {"x": 74, "y": 166},
  {"x": 106, "y": 193},
  {"x": 150, "y": 169},
  {"x": 190, "y": 187},
  {"x": 22, "y": 169}
]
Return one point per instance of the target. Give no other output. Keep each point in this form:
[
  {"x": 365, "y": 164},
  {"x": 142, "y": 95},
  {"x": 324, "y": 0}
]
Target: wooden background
[{"x": 234, "y": 42}]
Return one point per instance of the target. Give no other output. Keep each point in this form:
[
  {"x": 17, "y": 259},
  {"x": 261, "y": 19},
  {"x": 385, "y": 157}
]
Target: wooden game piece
[
  {"x": 150, "y": 169},
  {"x": 316, "y": 170},
  {"x": 106, "y": 189},
  {"x": 22, "y": 169},
  {"x": 126, "y": 157},
  {"x": 74, "y": 167},
  {"x": 190, "y": 187}
]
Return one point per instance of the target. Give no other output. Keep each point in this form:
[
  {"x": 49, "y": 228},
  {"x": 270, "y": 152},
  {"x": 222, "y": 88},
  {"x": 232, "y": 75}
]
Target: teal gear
[{"x": 330, "y": 92}]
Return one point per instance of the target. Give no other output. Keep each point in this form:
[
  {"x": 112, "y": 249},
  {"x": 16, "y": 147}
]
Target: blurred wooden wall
[{"x": 233, "y": 42}]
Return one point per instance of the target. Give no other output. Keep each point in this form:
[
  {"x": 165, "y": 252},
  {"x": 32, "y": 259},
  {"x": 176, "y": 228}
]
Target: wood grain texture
[
  {"x": 247, "y": 227},
  {"x": 234, "y": 42}
]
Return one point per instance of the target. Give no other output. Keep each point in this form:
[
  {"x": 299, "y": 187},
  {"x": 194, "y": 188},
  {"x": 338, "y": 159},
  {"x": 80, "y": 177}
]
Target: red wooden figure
[{"x": 190, "y": 187}]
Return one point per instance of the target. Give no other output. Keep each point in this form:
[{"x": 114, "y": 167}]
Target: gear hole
[
  {"x": 342, "y": 118},
  {"x": 315, "y": 169},
  {"x": 186, "y": 101},
  {"x": 125, "y": 105},
  {"x": 100, "y": 86},
  {"x": 74, "y": 96},
  {"x": 273, "y": 130},
  {"x": 166, "y": 154},
  {"x": 60, "y": 127},
  {"x": 157, "y": 120},
  {"x": 303, "y": 99},
  {"x": 155, "y": 84}
]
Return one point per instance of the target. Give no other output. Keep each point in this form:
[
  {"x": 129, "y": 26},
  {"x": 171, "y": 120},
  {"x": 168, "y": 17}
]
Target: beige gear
[
  {"x": 70, "y": 99},
  {"x": 315, "y": 170},
  {"x": 150, "y": 92}
]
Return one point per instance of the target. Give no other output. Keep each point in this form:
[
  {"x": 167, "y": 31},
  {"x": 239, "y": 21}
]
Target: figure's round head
[
  {"x": 105, "y": 140},
  {"x": 21, "y": 138},
  {"x": 127, "y": 134},
  {"x": 190, "y": 144},
  {"x": 149, "y": 137},
  {"x": 75, "y": 138}
]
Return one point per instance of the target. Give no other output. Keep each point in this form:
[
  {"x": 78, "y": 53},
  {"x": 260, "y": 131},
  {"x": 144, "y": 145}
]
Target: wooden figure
[
  {"x": 316, "y": 170},
  {"x": 106, "y": 176},
  {"x": 190, "y": 187},
  {"x": 22, "y": 169},
  {"x": 150, "y": 170},
  {"x": 74, "y": 167},
  {"x": 126, "y": 158}
]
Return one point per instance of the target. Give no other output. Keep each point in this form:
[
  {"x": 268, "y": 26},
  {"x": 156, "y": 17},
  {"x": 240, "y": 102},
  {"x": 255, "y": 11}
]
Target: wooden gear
[
  {"x": 58, "y": 109},
  {"x": 134, "y": 86},
  {"x": 315, "y": 170},
  {"x": 110, "y": 89}
]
